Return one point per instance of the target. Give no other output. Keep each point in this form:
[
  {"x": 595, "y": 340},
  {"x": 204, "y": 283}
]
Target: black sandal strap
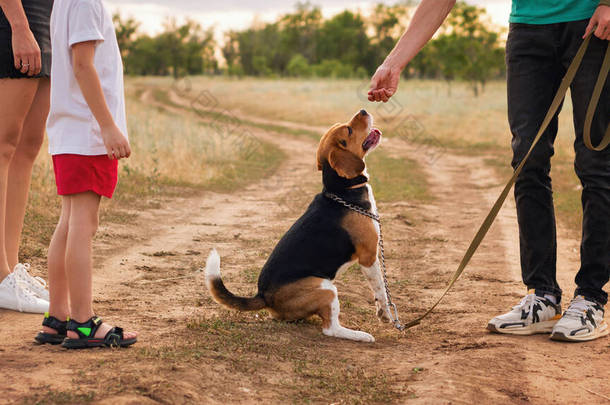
[
  {"x": 117, "y": 330},
  {"x": 85, "y": 330},
  {"x": 55, "y": 324},
  {"x": 114, "y": 337}
]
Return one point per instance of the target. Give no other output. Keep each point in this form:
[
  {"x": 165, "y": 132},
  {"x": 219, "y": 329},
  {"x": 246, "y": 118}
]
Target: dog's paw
[
  {"x": 382, "y": 312},
  {"x": 363, "y": 337},
  {"x": 345, "y": 333}
]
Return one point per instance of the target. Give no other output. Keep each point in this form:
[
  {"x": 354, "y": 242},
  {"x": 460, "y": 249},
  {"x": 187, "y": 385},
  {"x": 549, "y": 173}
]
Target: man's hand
[
  {"x": 116, "y": 144},
  {"x": 429, "y": 15},
  {"x": 601, "y": 18},
  {"x": 384, "y": 83},
  {"x": 26, "y": 52}
]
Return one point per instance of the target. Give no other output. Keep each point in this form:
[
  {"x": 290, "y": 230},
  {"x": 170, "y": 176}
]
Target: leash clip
[{"x": 393, "y": 311}]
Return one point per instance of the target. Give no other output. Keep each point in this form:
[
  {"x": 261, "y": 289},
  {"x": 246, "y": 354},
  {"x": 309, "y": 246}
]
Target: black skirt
[{"x": 38, "y": 13}]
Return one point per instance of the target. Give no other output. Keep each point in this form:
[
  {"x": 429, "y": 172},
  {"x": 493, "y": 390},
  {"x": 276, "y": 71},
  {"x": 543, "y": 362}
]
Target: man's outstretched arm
[{"x": 428, "y": 17}]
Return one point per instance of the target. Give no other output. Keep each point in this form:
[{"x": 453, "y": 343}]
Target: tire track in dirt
[
  {"x": 492, "y": 367},
  {"x": 167, "y": 240},
  {"x": 145, "y": 278},
  {"x": 464, "y": 190}
]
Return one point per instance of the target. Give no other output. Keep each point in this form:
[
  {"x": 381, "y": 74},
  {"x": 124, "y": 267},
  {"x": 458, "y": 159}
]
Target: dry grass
[
  {"x": 170, "y": 157},
  {"x": 254, "y": 347},
  {"x": 393, "y": 179},
  {"x": 424, "y": 111},
  {"x": 292, "y": 359}
]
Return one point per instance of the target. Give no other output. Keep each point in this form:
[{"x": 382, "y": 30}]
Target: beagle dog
[{"x": 297, "y": 280}]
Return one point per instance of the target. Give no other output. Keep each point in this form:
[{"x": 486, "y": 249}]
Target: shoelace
[
  {"x": 577, "y": 307},
  {"x": 21, "y": 271},
  {"x": 527, "y": 302}
]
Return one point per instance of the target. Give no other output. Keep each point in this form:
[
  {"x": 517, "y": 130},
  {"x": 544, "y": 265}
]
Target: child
[{"x": 87, "y": 136}]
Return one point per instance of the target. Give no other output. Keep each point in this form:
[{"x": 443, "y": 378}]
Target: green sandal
[
  {"x": 86, "y": 332},
  {"x": 52, "y": 338}
]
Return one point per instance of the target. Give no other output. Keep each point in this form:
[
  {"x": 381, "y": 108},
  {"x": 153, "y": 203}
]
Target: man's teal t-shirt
[{"x": 551, "y": 11}]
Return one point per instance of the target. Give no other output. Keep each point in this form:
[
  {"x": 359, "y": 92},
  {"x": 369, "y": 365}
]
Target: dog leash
[
  {"x": 391, "y": 307},
  {"x": 489, "y": 220},
  {"x": 563, "y": 88}
]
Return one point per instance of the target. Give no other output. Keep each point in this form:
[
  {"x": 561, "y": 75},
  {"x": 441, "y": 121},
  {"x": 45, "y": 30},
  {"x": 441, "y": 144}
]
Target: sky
[{"x": 225, "y": 15}]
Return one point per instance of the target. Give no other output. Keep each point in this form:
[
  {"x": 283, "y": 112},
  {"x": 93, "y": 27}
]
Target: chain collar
[
  {"x": 352, "y": 207},
  {"x": 391, "y": 307}
]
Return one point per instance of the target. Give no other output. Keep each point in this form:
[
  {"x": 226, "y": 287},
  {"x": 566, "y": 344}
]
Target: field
[{"x": 231, "y": 164}]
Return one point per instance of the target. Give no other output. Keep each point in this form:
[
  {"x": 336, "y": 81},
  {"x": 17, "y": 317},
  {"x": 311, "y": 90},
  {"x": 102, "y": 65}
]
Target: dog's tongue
[{"x": 372, "y": 140}]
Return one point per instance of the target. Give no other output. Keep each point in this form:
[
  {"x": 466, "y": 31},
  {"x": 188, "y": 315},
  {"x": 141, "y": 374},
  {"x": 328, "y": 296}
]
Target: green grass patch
[
  {"x": 45, "y": 395},
  {"x": 396, "y": 179}
]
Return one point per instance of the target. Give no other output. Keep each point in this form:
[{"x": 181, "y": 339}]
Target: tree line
[{"x": 305, "y": 44}]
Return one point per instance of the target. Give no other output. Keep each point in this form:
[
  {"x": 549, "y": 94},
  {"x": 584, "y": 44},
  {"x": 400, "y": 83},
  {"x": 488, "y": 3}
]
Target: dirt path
[{"x": 192, "y": 351}]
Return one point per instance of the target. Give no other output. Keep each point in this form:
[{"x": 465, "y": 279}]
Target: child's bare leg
[
  {"x": 82, "y": 226},
  {"x": 59, "y": 305}
]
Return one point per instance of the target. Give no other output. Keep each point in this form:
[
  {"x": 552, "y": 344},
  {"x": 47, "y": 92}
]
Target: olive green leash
[{"x": 563, "y": 88}]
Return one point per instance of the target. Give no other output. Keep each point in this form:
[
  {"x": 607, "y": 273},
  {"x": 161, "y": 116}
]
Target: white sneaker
[
  {"x": 15, "y": 296},
  {"x": 35, "y": 284},
  {"x": 582, "y": 321},
  {"x": 534, "y": 314}
]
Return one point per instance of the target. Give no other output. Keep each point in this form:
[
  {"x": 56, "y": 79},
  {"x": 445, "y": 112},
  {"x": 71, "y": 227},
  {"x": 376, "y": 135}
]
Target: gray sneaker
[
  {"x": 582, "y": 321},
  {"x": 534, "y": 314}
]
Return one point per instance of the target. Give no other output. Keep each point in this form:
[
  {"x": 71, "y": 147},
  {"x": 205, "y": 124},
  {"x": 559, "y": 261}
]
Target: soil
[{"x": 147, "y": 278}]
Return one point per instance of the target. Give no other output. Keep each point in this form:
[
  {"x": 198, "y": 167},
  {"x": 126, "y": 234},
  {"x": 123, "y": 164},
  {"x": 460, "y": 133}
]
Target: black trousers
[{"x": 537, "y": 57}]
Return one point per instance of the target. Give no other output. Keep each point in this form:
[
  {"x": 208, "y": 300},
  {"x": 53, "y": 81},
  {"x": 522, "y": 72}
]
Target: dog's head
[{"x": 344, "y": 146}]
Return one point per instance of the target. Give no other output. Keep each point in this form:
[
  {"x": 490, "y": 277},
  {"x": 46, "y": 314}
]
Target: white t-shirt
[{"x": 71, "y": 126}]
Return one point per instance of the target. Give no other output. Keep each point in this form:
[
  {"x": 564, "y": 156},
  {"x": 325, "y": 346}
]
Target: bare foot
[
  {"x": 51, "y": 331},
  {"x": 46, "y": 329}
]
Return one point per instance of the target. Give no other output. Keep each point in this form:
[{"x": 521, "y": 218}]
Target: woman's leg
[
  {"x": 20, "y": 170},
  {"x": 58, "y": 283},
  {"x": 82, "y": 226},
  {"x": 15, "y": 102}
]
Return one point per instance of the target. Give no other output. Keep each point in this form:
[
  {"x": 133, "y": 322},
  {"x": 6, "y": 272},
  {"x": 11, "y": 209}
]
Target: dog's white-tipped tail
[
  {"x": 212, "y": 267},
  {"x": 220, "y": 293}
]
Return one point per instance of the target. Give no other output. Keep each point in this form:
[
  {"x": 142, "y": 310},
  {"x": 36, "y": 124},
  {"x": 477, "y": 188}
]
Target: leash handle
[
  {"x": 559, "y": 96},
  {"x": 597, "y": 91}
]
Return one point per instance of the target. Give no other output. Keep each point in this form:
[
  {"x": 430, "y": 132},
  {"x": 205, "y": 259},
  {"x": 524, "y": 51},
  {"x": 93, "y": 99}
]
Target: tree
[
  {"x": 299, "y": 31},
  {"x": 190, "y": 49},
  {"x": 126, "y": 30},
  {"x": 303, "y": 43},
  {"x": 230, "y": 50},
  {"x": 388, "y": 24},
  {"x": 180, "y": 49},
  {"x": 344, "y": 37},
  {"x": 298, "y": 66},
  {"x": 469, "y": 49}
]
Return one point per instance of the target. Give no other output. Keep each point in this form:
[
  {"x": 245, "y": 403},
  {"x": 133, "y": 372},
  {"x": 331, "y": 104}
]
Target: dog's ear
[
  {"x": 323, "y": 146},
  {"x": 345, "y": 163},
  {"x": 320, "y": 158}
]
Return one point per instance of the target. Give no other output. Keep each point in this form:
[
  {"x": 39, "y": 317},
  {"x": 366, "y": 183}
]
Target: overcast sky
[{"x": 238, "y": 14}]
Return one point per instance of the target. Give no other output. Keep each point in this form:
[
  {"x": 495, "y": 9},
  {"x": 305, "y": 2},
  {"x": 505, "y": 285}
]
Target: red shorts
[{"x": 78, "y": 173}]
